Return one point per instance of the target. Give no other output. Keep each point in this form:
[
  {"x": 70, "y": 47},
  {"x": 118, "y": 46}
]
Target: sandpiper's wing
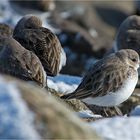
[
  {"x": 21, "y": 63},
  {"x": 33, "y": 66},
  {"x": 46, "y": 46},
  {"x": 101, "y": 79}
]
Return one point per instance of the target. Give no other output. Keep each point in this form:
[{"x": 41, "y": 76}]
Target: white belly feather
[
  {"x": 62, "y": 59},
  {"x": 113, "y": 99}
]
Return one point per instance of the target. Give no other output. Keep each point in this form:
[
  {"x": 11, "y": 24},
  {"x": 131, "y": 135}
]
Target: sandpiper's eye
[{"x": 134, "y": 60}]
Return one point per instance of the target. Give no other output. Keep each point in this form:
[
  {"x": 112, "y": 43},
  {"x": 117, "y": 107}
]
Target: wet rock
[
  {"x": 80, "y": 39},
  {"x": 80, "y": 46},
  {"x": 52, "y": 119}
]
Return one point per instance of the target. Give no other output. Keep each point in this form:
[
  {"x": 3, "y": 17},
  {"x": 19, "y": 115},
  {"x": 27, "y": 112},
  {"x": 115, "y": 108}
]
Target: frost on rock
[
  {"x": 118, "y": 128},
  {"x": 64, "y": 83},
  {"x": 16, "y": 121},
  {"x": 87, "y": 114}
]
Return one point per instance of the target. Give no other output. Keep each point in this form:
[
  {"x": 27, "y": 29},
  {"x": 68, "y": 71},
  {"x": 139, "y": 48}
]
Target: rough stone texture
[
  {"x": 76, "y": 105},
  {"x": 52, "y": 119}
]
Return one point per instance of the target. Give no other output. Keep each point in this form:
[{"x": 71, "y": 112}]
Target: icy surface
[
  {"x": 118, "y": 128},
  {"x": 16, "y": 121},
  {"x": 87, "y": 114},
  {"x": 64, "y": 83}
]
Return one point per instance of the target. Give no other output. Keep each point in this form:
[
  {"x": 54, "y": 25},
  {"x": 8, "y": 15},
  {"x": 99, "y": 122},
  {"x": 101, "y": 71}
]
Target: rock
[
  {"x": 52, "y": 119},
  {"x": 82, "y": 37},
  {"x": 105, "y": 111},
  {"x": 114, "y": 12},
  {"x": 76, "y": 105},
  {"x": 80, "y": 46},
  {"x": 137, "y": 7},
  {"x": 93, "y": 119}
]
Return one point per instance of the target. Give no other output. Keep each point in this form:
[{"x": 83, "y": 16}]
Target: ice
[
  {"x": 64, "y": 83},
  {"x": 87, "y": 114},
  {"x": 118, "y": 128}
]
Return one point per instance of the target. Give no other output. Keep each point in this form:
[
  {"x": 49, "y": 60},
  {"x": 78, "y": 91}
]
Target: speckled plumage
[
  {"x": 108, "y": 77},
  {"x": 45, "y": 44},
  {"x": 5, "y": 30},
  {"x": 15, "y": 60}
]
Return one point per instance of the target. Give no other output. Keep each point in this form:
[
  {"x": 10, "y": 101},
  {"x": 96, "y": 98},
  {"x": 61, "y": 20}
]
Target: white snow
[
  {"x": 118, "y": 128},
  {"x": 63, "y": 59},
  {"x": 64, "y": 83},
  {"x": 16, "y": 121},
  {"x": 87, "y": 114}
]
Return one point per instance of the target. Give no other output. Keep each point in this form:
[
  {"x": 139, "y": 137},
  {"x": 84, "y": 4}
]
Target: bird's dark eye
[{"x": 134, "y": 60}]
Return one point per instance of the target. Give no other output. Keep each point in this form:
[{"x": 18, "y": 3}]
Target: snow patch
[
  {"x": 64, "y": 83},
  {"x": 16, "y": 121},
  {"x": 87, "y": 114},
  {"x": 118, "y": 128}
]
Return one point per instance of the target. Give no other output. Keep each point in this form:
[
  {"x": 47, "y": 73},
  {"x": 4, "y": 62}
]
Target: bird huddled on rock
[
  {"x": 17, "y": 61},
  {"x": 128, "y": 36},
  {"x": 40, "y": 40},
  {"x": 110, "y": 81}
]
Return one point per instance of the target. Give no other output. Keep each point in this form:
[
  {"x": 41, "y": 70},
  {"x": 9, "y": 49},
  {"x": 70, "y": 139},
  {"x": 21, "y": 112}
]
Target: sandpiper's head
[
  {"x": 128, "y": 36},
  {"x": 129, "y": 57},
  {"x": 29, "y": 22},
  {"x": 132, "y": 22}
]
